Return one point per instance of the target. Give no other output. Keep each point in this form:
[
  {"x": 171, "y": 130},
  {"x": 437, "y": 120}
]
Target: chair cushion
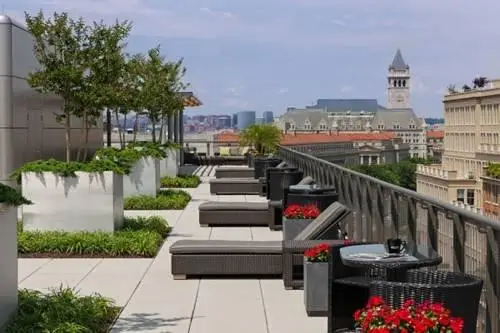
[
  {"x": 229, "y": 206},
  {"x": 224, "y": 151},
  {"x": 334, "y": 214},
  {"x": 234, "y": 181},
  {"x": 306, "y": 181},
  {"x": 194, "y": 246}
]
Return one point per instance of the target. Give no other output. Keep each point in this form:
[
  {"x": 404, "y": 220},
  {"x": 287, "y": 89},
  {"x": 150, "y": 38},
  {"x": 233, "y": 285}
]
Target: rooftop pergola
[{"x": 190, "y": 100}]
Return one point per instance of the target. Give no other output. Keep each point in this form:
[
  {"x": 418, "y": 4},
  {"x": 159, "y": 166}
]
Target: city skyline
[{"x": 241, "y": 57}]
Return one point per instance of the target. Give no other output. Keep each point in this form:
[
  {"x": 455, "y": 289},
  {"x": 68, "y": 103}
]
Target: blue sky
[{"x": 271, "y": 54}]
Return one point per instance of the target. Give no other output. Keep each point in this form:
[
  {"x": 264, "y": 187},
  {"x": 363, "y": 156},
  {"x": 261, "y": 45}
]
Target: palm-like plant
[
  {"x": 263, "y": 137},
  {"x": 466, "y": 88},
  {"x": 479, "y": 82}
]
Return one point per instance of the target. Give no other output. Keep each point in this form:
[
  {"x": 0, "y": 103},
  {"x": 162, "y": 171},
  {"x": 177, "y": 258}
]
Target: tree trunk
[
  {"x": 82, "y": 135},
  {"x": 68, "y": 135},
  {"x": 86, "y": 140},
  {"x": 136, "y": 125},
  {"x": 117, "y": 116},
  {"x": 153, "y": 131},
  {"x": 125, "y": 132}
]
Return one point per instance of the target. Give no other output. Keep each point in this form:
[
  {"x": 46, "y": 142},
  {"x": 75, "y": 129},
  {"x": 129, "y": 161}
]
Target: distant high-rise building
[
  {"x": 259, "y": 120},
  {"x": 234, "y": 123},
  {"x": 268, "y": 117},
  {"x": 245, "y": 119}
]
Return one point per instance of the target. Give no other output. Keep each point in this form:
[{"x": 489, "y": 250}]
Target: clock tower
[{"x": 398, "y": 83}]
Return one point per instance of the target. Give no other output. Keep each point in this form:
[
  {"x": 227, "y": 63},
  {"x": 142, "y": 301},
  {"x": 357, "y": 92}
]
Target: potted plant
[
  {"x": 427, "y": 317},
  {"x": 296, "y": 218},
  {"x": 264, "y": 138},
  {"x": 9, "y": 200},
  {"x": 316, "y": 280}
]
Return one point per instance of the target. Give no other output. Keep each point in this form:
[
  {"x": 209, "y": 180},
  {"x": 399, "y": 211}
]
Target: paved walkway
[{"x": 155, "y": 303}]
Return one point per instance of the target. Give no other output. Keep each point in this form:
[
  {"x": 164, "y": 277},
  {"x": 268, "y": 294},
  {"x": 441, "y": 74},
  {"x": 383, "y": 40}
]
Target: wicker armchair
[{"x": 458, "y": 292}]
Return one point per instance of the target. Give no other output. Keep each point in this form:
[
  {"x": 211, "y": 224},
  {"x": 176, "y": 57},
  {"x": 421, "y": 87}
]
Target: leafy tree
[
  {"x": 58, "y": 45},
  {"x": 452, "y": 89},
  {"x": 263, "y": 137},
  {"x": 106, "y": 79},
  {"x": 466, "y": 88},
  {"x": 162, "y": 84}
]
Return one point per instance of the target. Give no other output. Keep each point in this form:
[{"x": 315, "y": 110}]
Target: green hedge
[
  {"x": 139, "y": 237},
  {"x": 180, "y": 182},
  {"x": 62, "y": 310},
  {"x": 165, "y": 200}
]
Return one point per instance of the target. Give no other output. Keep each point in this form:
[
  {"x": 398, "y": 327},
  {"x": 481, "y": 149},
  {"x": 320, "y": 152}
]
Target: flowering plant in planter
[
  {"x": 306, "y": 212},
  {"x": 318, "y": 253},
  {"x": 378, "y": 317}
]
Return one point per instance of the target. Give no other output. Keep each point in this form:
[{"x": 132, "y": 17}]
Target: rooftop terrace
[{"x": 153, "y": 302}]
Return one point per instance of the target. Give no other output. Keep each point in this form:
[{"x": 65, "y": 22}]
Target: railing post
[
  {"x": 492, "y": 281},
  {"x": 432, "y": 227},
  {"x": 458, "y": 243}
]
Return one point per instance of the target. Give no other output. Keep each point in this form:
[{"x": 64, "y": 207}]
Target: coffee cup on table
[{"x": 395, "y": 245}]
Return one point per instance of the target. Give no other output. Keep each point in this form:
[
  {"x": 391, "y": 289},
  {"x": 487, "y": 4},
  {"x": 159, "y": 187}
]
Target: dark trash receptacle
[
  {"x": 322, "y": 197},
  {"x": 281, "y": 179},
  {"x": 261, "y": 164}
]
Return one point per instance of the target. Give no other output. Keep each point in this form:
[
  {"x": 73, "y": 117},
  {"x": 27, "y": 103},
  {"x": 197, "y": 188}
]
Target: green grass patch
[
  {"x": 165, "y": 200},
  {"x": 62, "y": 310},
  {"x": 181, "y": 182},
  {"x": 139, "y": 237}
]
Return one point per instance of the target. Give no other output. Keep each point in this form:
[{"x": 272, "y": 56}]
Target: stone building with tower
[{"x": 355, "y": 115}]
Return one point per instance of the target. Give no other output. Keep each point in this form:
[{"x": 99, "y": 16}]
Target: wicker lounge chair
[
  {"x": 221, "y": 186},
  {"x": 234, "y": 172},
  {"x": 217, "y": 213},
  {"x": 199, "y": 258}
]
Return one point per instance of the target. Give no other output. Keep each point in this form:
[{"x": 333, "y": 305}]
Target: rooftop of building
[{"x": 306, "y": 138}]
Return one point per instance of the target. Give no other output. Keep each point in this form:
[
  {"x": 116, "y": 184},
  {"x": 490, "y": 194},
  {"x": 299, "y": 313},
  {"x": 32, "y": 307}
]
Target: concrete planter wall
[
  {"x": 169, "y": 166},
  {"x": 293, "y": 227},
  {"x": 316, "y": 288},
  {"x": 89, "y": 201},
  {"x": 144, "y": 178},
  {"x": 8, "y": 262}
]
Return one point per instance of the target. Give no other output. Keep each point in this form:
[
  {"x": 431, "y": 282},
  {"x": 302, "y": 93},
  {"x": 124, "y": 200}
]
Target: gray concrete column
[
  {"x": 170, "y": 122},
  {"x": 176, "y": 127},
  {"x": 7, "y": 159},
  {"x": 181, "y": 135}
]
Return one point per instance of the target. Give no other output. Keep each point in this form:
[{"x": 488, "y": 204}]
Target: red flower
[
  {"x": 319, "y": 253},
  {"x": 377, "y": 317},
  {"x": 301, "y": 212}
]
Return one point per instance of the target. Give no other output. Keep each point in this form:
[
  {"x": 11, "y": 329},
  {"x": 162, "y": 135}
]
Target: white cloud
[
  {"x": 345, "y": 89},
  {"x": 235, "y": 91},
  {"x": 339, "y": 22},
  {"x": 236, "y": 103},
  {"x": 282, "y": 91}
]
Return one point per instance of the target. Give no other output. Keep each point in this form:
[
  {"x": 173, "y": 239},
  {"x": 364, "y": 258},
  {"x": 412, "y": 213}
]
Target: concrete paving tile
[
  {"x": 285, "y": 310},
  {"x": 115, "y": 278},
  {"x": 28, "y": 266},
  {"x": 159, "y": 305},
  {"x": 229, "y": 306},
  {"x": 265, "y": 234},
  {"x": 233, "y": 233}
]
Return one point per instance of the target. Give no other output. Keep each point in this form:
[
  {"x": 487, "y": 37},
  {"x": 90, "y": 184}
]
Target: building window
[
  {"x": 380, "y": 126},
  {"x": 465, "y": 196},
  {"x": 396, "y": 126}
]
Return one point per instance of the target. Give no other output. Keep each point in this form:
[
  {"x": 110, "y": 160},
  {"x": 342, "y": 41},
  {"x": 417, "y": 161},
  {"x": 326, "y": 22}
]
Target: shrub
[
  {"x": 68, "y": 169},
  {"x": 181, "y": 182},
  {"x": 140, "y": 237},
  {"x": 12, "y": 197},
  {"x": 153, "y": 223},
  {"x": 62, "y": 310},
  {"x": 166, "y": 199}
]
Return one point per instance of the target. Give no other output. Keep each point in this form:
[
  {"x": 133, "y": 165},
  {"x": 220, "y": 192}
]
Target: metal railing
[{"x": 467, "y": 241}]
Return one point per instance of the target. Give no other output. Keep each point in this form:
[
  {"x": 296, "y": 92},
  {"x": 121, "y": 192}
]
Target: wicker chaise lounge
[
  {"x": 217, "y": 213},
  {"x": 199, "y": 258},
  {"x": 222, "y": 186}
]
